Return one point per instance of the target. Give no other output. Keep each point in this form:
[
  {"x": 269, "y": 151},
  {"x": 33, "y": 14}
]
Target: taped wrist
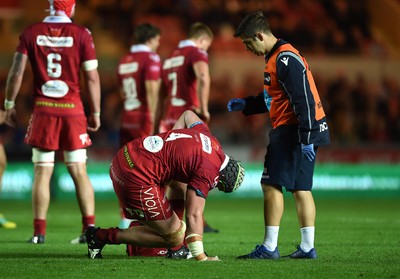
[
  {"x": 9, "y": 104},
  {"x": 195, "y": 244}
]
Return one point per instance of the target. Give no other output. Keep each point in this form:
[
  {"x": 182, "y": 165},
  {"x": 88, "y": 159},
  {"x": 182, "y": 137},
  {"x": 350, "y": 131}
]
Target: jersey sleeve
[
  {"x": 292, "y": 76},
  {"x": 255, "y": 104},
  {"x": 22, "y": 46},
  {"x": 203, "y": 182},
  {"x": 89, "y": 51},
  {"x": 201, "y": 127},
  {"x": 153, "y": 67},
  {"x": 199, "y": 55}
]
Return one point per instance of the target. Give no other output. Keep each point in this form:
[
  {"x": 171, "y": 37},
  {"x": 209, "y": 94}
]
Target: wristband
[
  {"x": 195, "y": 123},
  {"x": 8, "y": 104},
  {"x": 195, "y": 244},
  {"x": 96, "y": 114}
]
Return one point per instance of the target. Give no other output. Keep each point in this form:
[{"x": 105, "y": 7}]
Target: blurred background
[{"x": 352, "y": 47}]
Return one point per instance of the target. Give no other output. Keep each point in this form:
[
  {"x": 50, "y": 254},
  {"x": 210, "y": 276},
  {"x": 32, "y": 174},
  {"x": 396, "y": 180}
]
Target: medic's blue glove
[
  {"x": 236, "y": 104},
  {"x": 308, "y": 151}
]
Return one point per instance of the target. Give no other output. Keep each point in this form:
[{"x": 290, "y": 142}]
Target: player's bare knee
[{"x": 176, "y": 238}]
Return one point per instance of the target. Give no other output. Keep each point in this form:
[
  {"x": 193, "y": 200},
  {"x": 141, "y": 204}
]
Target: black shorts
[{"x": 285, "y": 164}]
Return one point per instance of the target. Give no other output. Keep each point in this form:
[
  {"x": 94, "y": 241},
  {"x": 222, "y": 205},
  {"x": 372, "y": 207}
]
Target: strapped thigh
[
  {"x": 177, "y": 233},
  {"x": 75, "y": 156},
  {"x": 42, "y": 158}
]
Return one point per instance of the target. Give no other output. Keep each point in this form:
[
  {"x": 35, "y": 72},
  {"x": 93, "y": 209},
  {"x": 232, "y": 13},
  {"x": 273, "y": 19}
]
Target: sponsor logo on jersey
[
  {"x": 128, "y": 68},
  {"x": 206, "y": 143},
  {"x": 150, "y": 204},
  {"x": 177, "y": 102},
  {"x": 128, "y": 157},
  {"x": 215, "y": 182},
  {"x": 265, "y": 174},
  {"x": 48, "y": 41},
  {"x": 135, "y": 212},
  {"x": 115, "y": 177},
  {"x": 54, "y": 105},
  {"x": 323, "y": 127},
  {"x": 285, "y": 60},
  {"x": 174, "y": 62},
  {"x": 162, "y": 252},
  {"x": 153, "y": 143},
  {"x": 55, "y": 88}
]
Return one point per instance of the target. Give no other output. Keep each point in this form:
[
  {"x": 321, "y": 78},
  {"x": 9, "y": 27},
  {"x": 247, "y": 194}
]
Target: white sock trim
[
  {"x": 271, "y": 237},
  {"x": 307, "y": 238}
]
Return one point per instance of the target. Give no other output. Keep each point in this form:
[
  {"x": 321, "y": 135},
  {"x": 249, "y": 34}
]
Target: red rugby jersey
[
  {"x": 139, "y": 65},
  {"x": 56, "y": 49},
  {"x": 192, "y": 156},
  {"x": 179, "y": 77}
]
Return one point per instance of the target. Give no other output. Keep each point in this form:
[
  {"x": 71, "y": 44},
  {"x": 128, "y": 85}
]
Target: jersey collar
[
  {"x": 224, "y": 163},
  {"x": 186, "y": 43},
  {"x": 140, "y": 48},
  {"x": 57, "y": 19},
  {"x": 278, "y": 43}
]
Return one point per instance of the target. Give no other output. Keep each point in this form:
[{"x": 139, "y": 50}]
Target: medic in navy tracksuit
[
  {"x": 297, "y": 117},
  {"x": 299, "y": 128}
]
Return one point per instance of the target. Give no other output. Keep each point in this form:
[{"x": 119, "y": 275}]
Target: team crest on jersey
[
  {"x": 153, "y": 144},
  {"x": 155, "y": 57},
  {"x": 85, "y": 139}
]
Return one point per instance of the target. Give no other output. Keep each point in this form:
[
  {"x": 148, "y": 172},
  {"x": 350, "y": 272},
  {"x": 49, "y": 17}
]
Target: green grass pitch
[{"x": 355, "y": 238}]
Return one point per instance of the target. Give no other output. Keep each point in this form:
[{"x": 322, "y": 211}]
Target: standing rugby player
[{"x": 57, "y": 50}]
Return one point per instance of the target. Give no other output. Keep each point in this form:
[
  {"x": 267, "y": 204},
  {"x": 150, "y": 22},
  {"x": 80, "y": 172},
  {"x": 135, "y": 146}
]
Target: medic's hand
[{"x": 308, "y": 151}]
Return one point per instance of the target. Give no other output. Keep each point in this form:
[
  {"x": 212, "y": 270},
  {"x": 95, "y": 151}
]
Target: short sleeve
[
  {"x": 153, "y": 67},
  {"x": 89, "y": 51},
  {"x": 22, "y": 46}
]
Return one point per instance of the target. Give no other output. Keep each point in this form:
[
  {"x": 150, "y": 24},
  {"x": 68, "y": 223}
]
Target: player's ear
[{"x": 259, "y": 36}]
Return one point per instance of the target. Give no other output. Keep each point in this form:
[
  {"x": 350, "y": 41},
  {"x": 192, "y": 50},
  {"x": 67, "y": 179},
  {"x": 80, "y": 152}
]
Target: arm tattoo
[
  {"x": 17, "y": 66},
  {"x": 16, "y": 69}
]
